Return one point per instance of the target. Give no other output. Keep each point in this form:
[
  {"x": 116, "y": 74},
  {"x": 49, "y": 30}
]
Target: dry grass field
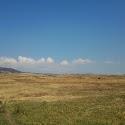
[{"x": 37, "y": 99}]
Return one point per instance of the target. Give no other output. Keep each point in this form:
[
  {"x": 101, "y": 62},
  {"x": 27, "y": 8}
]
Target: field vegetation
[{"x": 46, "y": 99}]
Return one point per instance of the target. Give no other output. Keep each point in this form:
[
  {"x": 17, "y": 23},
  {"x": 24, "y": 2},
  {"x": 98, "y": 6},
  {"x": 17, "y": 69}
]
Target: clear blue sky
[{"x": 65, "y": 29}]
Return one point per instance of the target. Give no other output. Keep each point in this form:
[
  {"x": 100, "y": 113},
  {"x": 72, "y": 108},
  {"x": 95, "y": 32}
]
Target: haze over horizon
[{"x": 63, "y": 36}]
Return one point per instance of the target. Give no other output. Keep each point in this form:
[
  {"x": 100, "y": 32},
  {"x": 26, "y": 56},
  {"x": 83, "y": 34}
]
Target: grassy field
[{"x": 34, "y": 99}]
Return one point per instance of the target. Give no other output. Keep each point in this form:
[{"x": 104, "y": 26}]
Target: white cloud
[
  {"x": 81, "y": 61},
  {"x": 41, "y": 61},
  {"x": 6, "y": 61},
  {"x": 50, "y": 60},
  {"x": 42, "y": 65},
  {"x": 21, "y": 60},
  {"x": 49, "y": 65},
  {"x": 25, "y": 60},
  {"x": 64, "y": 63}
]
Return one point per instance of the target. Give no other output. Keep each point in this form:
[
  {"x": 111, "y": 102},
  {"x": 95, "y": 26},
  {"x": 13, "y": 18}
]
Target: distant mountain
[{"x": 8, "y": 70}]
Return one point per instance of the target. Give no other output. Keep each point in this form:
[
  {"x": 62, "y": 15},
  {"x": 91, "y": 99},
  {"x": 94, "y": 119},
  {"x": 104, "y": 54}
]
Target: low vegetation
[{"x": 36, "y": 99}]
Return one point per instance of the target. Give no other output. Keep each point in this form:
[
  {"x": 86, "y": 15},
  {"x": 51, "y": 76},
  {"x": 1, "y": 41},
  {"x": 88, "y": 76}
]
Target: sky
[{"x": 63, "y": 36}]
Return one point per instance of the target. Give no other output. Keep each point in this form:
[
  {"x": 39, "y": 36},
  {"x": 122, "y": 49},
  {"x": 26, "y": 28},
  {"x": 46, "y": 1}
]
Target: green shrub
[
  {"x": 19, "y": 109},
  {"x": 2, "y": 107}
]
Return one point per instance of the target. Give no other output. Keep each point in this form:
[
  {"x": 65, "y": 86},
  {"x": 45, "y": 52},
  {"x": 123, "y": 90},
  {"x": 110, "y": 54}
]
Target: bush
[
  {"x": 19, "y": 109},
  {"x": 2, "y": 107}
]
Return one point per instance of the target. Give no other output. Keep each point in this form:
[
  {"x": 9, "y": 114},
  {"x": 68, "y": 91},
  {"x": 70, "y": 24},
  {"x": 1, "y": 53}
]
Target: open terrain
[{"x": 37, "y": 99}]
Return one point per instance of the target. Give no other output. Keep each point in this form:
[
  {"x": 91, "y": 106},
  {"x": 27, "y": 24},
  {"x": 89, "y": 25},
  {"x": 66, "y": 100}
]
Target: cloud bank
[
  {"x": 81, "y": 61},
  {"x": 42, "y": 64},
  {"x": 42, "y": 61},
  {"x": 50, "y": 65}
]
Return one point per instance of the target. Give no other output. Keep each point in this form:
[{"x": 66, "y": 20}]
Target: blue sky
[{"x": 65, "y": 31}]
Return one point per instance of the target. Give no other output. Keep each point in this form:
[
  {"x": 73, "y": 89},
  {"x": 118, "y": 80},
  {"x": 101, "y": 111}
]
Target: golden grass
[{"x": 40, "y": 87}]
